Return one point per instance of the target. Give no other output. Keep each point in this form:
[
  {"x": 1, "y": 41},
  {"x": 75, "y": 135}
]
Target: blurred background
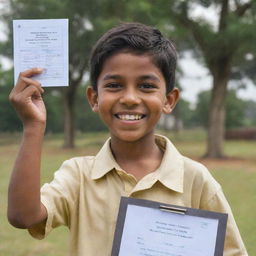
[{"x": 214, "y": 122}]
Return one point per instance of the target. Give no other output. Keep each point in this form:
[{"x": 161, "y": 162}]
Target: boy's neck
[{"x": 137, "y": 158}]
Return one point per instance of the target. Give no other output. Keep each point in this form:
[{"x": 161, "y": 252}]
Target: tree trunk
[
  {"x": 69, "y": 104},
  {"x": 69, "y": 117},
  {"x": 216, "y": 122}
]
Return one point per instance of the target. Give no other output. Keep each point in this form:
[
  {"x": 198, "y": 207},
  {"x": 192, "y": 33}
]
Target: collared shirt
[{"x": 85, "y": 195}]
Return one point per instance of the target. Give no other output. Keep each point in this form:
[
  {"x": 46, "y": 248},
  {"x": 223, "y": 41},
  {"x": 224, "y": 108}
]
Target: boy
[{"x": 132, "y": 78}]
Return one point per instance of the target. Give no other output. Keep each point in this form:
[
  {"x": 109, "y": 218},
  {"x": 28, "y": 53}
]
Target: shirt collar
[
  {"x": 170, "y": 172},
  {"x": 104, "y": 162}
]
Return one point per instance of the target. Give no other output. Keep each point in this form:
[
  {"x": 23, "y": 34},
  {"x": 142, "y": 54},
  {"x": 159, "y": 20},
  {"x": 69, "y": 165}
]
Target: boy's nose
[{"x": 130, "y": 97}]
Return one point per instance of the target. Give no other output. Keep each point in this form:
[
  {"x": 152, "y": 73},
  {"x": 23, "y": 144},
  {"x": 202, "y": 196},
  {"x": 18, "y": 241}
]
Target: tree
[{"x": 221, "y": 47}]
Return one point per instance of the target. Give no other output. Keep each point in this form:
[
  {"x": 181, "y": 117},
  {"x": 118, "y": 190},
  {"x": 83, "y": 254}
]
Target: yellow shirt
[{"x": 86, "y": 191}]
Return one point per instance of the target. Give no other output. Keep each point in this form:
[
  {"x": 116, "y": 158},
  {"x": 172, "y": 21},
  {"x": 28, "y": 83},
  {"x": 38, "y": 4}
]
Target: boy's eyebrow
[
  {"x": 109, "y": 76},
  {"x": 149, "y": 77},
  {"x": 143, "y": 77}
]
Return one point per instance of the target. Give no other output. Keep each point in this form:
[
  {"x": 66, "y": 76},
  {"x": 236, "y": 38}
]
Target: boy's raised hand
[
  {"x": 26, "y": 98},
  {"x": 24, "y": 206}
]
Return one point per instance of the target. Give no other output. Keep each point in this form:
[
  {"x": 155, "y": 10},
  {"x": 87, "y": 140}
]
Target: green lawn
[{"x": 237, "y": 175}]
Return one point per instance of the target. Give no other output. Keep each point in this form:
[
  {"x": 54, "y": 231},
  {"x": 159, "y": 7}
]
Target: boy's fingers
[
  {"x": 31, "y": 91},
  {"x": 29, "y": 81},
  {"x": 31, "y": 72},
  {"x": 23, "y": 76},
  {"x": 24, "y": 82},
  {"x": 30, "y": 88},
  {"x": 21, "y": 98}
]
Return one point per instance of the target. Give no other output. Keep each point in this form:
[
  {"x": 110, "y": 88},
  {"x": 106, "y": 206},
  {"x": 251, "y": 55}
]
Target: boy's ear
[
  {"x": 172, "y": 98},
  {"x": 92, "y": 97}
]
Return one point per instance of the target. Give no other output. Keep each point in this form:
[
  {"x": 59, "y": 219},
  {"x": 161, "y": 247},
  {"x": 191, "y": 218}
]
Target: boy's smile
[{"x": 131, "y": 96}]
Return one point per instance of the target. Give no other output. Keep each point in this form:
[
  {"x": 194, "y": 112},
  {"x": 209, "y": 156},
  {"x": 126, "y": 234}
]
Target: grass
[{"x": 236, "y": 174}]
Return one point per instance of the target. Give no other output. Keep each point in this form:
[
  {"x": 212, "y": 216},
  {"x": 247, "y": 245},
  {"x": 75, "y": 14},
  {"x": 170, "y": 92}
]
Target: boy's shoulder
[
  {"x": 173, "y": 155},
  {"x": 76, "y": 167},
  {"x": 79, "y": 163},
  {"x": 194, "y": 166},
  {"x": 199, "y": 174},
  {"x": 192, "y": 170},
  {"x": 92, "y": 166}
]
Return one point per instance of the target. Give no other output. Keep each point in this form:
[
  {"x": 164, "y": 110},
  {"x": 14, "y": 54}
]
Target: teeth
[{"x": 130, "y": 117}]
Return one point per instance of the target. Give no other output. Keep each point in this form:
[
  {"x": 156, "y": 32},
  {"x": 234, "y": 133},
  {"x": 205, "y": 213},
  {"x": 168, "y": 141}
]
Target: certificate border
[
  {"x": 125, "y": 201},
  {"x": 63, "y": 24}
]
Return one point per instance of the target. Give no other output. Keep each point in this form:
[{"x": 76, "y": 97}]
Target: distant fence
[{"x": 241, "y": 134}]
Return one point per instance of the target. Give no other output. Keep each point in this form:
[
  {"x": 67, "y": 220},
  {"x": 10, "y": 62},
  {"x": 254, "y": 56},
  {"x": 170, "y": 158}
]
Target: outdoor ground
[{"x": 236, "y": 174}]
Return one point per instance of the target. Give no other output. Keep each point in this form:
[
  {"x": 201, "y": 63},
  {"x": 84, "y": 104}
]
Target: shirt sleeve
[
  {"x": 234, "y": 245},
  {"x": 58, "y": 197}
]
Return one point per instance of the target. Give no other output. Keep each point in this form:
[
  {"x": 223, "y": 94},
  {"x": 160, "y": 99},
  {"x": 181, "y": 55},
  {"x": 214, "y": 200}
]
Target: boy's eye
[
  {"x": 113, "y": 86},
  {"x": 148, "y": 86}
]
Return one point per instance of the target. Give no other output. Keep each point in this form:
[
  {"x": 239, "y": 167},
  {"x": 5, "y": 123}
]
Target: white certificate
[
  {"x": 146, "y": 228},
  {"x": 42, "y": 44}
]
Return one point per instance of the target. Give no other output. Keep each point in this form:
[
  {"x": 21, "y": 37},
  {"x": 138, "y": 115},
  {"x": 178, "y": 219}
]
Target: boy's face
[{"x": 131, "y": 96}]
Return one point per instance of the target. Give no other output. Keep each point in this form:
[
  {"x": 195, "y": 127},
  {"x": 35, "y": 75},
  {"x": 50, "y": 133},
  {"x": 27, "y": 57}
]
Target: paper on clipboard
[
  {"x": 42, "y": 43},
  {"x": 147, "y": 230}
]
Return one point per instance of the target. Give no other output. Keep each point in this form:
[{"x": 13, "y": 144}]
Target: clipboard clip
[{"x": 172, "y": 209}]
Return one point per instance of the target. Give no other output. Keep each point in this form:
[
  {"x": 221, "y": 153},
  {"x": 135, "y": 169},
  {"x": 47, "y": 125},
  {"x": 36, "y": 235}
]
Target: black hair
[{"x": 139, "y": 39}]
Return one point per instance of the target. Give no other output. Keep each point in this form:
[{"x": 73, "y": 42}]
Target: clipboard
[{"x": 149, "y": 228}]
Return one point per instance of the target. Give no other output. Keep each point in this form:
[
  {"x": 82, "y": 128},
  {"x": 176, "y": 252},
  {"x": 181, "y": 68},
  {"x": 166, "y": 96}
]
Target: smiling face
[{"x": 131, "y": 96}]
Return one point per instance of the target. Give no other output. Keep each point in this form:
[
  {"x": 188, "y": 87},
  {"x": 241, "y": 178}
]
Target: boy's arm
[{"x": 24, "y": 206}]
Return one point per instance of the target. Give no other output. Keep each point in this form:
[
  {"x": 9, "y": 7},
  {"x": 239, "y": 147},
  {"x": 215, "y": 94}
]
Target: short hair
[{"x": 139, "y": 39}]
